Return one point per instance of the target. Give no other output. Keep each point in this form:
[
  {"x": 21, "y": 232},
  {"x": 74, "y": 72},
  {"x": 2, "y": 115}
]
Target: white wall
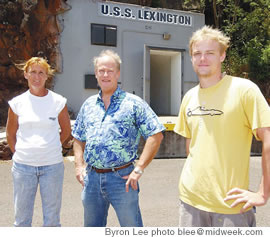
[{"x": 132, "y": 36}]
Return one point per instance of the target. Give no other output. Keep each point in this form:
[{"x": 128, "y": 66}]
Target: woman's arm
[
  {"x": 11, "y": 129},
  {"x": 64, "y": 123}
]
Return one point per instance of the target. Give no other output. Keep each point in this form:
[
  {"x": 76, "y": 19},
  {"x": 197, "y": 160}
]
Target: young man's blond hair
[{"x": 209, "y": 33}]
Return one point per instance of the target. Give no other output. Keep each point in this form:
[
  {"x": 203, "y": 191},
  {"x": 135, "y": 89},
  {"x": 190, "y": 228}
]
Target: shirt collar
[{"x": 118, "y": 92}]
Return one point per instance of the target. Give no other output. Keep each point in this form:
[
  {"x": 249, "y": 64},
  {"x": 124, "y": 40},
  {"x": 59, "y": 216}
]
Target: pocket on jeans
[
  {"x": 124, "y": 172},
  {"x": 20, "y": 168}
]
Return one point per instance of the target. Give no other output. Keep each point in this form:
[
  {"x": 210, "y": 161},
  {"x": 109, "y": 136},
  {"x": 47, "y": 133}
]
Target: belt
[{"x": 112, "y": 169}]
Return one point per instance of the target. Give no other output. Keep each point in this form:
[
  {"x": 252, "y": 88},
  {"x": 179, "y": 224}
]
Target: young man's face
[
  {"x": 206, "y": 58},
  {"x": 107, "y": 74}
]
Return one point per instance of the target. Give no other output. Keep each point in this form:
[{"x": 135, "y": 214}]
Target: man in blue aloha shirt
[{"x": 107, "y": 132}]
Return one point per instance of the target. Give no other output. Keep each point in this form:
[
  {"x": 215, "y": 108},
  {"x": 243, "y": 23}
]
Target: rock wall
[
  {"x": 5, "y": 152},
  {"x": 27, "y": 28}
]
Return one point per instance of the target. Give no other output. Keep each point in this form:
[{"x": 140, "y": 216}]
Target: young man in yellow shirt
[{"x": 218, "y": 119}]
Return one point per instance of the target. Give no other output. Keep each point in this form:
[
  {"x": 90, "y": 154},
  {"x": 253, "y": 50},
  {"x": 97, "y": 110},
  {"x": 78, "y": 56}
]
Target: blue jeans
[
  {"x": 101, "y": 190},
  {"x": 25, "y": 183}
]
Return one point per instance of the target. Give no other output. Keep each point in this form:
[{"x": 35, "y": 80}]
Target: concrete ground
[{"x": 158, "y": 198}]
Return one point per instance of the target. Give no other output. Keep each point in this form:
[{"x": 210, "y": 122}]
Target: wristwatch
[{"x": 137, "y": 170}]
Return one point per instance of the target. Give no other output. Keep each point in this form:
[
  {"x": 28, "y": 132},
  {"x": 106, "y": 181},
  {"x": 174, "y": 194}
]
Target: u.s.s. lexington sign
[{"x": 144, "y": 14}]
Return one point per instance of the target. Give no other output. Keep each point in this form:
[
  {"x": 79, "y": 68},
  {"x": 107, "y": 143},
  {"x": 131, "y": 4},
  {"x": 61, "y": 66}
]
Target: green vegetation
[
  {"x": 248, "y": 25},
  {"x": 247, "y": 22}
]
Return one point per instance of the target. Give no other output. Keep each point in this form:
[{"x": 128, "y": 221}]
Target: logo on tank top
[
  {"x": 52, "y": 118},
  {"x": 202, "y": 111}
]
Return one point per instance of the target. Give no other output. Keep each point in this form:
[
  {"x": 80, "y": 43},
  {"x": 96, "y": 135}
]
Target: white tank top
[{"x": 38, "y": 139}]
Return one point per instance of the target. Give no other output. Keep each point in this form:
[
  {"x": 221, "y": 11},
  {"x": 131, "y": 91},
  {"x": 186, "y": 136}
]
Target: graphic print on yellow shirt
[{"x": 202, "y": 111}]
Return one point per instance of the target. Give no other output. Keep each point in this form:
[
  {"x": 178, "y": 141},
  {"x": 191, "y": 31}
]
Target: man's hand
[
  {"x": 132, "y": 179},
  {"x": 80, "y": 165},
  {"x": 244, "y": 196},
  {"x": 80, "y": 174}
]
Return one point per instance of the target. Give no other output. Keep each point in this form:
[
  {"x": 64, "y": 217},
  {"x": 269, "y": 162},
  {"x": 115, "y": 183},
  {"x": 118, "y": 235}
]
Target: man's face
[
  {"x": 206, "y": 58},
  {"x": 107, "y": 74}
]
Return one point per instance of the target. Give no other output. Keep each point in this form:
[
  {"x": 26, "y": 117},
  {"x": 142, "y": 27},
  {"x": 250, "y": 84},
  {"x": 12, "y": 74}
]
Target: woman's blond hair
[
  {"x": 36, "y": 60},
  {"x": 207, "y": 32}
]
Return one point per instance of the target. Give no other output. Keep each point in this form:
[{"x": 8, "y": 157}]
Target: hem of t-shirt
[
  {"x": 183, "y": 134},
  {"x": 226, "y": 211},
  {"x": 39, "y": 164}
]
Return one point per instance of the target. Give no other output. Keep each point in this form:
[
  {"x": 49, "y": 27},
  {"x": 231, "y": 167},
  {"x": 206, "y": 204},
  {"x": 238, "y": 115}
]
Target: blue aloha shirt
[{"x": 112, "y": 137}]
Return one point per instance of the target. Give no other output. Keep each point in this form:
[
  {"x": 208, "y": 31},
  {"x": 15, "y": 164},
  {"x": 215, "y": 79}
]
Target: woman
[{"x": 33, "y": 136}]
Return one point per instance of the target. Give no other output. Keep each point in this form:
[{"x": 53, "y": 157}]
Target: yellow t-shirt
[{"x": 220, "y": 121}]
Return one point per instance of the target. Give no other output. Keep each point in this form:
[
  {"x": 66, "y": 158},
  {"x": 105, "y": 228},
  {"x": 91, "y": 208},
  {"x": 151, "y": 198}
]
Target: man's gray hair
[{"x": 109, "y": 53}]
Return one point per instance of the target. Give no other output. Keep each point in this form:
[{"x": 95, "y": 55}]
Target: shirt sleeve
[
  {"x": 256, "y": 109},
  {"x": 181, "y": 126},
  {"x": 61, "y": 104},
  {"x": 147, "y": 121},
  {"x": 79, "y": 131},
  {"x": 13, "y": 105}
]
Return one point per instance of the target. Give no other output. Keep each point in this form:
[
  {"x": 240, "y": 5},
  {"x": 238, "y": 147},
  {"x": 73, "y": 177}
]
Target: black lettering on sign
[
  {"x": 116, "y": 11},
  {"x": 128, "y": 12},
  {"x": 105, "y": 9}
]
